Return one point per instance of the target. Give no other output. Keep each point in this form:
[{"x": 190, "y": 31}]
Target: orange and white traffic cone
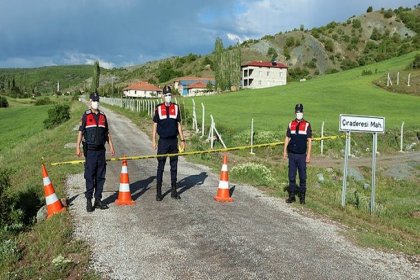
[
  {"x": 54, "y": 205},
  {"x": 124, "y": 194},
  {"x": 223, "y": 192}
]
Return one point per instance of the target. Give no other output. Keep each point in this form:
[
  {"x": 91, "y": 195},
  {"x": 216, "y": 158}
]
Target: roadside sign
[
  {"x": 355, "y": 123},
  {"x": 362, "y": 123}
]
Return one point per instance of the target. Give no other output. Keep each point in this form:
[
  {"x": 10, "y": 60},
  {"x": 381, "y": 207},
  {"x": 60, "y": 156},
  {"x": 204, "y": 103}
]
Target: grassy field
[
  {"x": 394, "y": 227},
  {"x": 37, "y": 245},
  {"x": 28, "y": 253},
  {"x": 324, "y": 99}
]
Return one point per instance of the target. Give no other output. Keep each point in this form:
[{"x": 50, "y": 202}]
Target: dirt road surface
[{"x": 255, "y": 237}]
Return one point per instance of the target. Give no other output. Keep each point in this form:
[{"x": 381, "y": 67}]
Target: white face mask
[
  {"x": 299, "y": 116},
  {"x": 95, "y": 105},
  {"x": 168, "y": 99}
]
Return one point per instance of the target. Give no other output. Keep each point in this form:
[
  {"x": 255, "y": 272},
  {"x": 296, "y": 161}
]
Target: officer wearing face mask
[
  {"x": 297, "y": 147},
  {"x": 94, "y": 129},
  {"x": 167, "y": 123}
]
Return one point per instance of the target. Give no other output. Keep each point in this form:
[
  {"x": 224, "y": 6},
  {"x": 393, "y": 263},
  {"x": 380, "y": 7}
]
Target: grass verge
[{"x": 44, "y": 250}]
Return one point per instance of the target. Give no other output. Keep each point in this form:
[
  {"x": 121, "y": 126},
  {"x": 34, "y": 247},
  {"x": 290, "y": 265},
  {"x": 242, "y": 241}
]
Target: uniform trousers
[
  {"x": 297, "y": 163},
  {"x": 167, "y": 146},
  {"x": 95, "y": 169}
]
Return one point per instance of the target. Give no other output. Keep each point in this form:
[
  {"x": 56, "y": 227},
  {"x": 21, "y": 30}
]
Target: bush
[
  {"x": 367, "y": 72},
  {"x": 5, "y": 201},
  {"x": 356, "y": 23},
  {"x": 388, "y": 14},
  {"x": 3, "y": 102},
  {"x": 416, "y": 62},
  {"x": 43, "y": 101},
  {"x": 254, "y": 173},
  {"x": 57, "y": 115}
]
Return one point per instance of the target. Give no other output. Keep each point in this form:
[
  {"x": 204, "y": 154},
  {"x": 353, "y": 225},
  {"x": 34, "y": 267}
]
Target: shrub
[
  {"x": 356, "y": 23},
  {"x": 5, "y": 201},
  {"x": 57, "y": 115},
  {"x": 254, "y": 173},
  {"x": 3, "y": 102},
  {"x": 367, "y": 72},
  {"x": 329, "y": 45},
  {"x": 416, "y": 62},
  {"x": 388, "y": 14},
  {"x": 290, "y": 41},
  {"x": 369, "y": 10},
  {"x": 43, "y": 101}
]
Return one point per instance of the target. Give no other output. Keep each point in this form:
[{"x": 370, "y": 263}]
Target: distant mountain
[{"x": 360, "y": 40}]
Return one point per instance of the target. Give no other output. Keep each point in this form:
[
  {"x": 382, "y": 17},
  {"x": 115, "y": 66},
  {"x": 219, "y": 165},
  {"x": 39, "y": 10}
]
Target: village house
[
  {"x": 142, "y": 90},
  {"x": 262, "y": 74},
  {"x": 190, "y": 85}
]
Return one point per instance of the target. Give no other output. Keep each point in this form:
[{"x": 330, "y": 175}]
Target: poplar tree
[
  {"x": 218, "y": 54},
  {"x": 95, "y": 79},
  {"x": 227, "y": 66}
]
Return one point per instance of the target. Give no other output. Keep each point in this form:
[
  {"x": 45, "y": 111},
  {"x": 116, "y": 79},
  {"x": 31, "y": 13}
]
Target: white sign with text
[{"x": 362, "y": 123}]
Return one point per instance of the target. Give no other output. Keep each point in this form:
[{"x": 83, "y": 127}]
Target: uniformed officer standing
[
  {"x": 95, "y": 131},
  {"x": 297, "y": 147},
  {"x": 167, "y": 123}
]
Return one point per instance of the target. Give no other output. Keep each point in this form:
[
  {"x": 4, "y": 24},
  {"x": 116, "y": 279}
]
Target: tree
[
  {"x": 218, "y": 60},
  {"x": 227, "y": 66},
  {"x": 95, "y": 78},
  {"x": 273, "y": 53},
  {"x": 369, "y": 10}
]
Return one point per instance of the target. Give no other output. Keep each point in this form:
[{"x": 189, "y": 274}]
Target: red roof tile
[
  {"x": 260, "y": 63},
  {"x": 198, "y": 85},
  {"x": 192, "y": 78},
  {"x": 143, "y": 86}
]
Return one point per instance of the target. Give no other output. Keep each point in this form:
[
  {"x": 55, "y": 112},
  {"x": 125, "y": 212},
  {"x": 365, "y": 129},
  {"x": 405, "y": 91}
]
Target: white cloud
[
  {"x": 82, "y": 58},
  {"x": 236, "y": 38}
]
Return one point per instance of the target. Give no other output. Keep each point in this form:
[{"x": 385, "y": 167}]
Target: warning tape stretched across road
[{"x": 196, "y": 152}]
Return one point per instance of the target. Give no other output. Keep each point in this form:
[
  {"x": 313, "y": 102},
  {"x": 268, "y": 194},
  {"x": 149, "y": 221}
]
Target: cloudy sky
[{"x": 128, "y": 32}]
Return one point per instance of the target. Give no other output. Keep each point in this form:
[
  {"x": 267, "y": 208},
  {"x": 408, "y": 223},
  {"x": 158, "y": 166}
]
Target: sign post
[{"x": 365, "y": 124}]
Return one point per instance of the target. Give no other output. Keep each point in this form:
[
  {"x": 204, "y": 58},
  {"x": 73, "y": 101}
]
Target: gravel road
[{"x": 255, "y": 237}]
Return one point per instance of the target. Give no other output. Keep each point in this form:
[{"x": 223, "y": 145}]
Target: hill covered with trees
[{"x": 360, "y": 40}]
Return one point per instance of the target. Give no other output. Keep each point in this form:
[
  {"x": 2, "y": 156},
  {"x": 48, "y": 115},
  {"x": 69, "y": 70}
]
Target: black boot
[
  {"x": 89, "y": 207},
  {"x": 291, "y": 198},
  {"x": 159, "y": 196},
  {"x": 302, "y": 198},
  {"x": 99, "y": 204},
  {"x": 174, "y": 193}
]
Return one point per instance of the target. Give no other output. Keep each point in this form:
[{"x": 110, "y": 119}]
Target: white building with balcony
[{"x": 262, "y": 74}]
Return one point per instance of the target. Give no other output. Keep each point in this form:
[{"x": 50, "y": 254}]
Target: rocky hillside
[{"x": 360, "y": 40}]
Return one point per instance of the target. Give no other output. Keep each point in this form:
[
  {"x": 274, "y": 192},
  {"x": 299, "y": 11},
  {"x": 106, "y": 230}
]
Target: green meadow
[
  {"x": 324, "y": 99},
  {"x": 28, "y": 248}
]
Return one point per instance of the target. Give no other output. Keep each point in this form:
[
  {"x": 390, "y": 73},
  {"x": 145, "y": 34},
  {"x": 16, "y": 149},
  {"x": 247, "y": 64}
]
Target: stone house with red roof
[
  {"x": 262, "y": 74},
  {"x": 142, "y": 90}
]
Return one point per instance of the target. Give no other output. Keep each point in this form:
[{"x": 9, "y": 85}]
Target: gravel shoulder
[{"x": 255, "y": 237}]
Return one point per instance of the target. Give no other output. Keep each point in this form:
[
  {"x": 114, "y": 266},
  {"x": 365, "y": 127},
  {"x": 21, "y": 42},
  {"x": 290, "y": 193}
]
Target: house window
[{"x": 268, "y": 73}]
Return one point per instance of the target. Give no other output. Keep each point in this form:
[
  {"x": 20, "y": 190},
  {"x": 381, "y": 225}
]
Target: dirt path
[{"x": 255, "y": 237}]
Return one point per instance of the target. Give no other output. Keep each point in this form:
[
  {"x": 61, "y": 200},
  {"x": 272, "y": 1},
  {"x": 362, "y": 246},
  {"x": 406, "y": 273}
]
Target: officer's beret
[
  {"x": 166, "y": 90},
  {"x": 299, "y": 108},
  {"x": 94, "y": 96}
]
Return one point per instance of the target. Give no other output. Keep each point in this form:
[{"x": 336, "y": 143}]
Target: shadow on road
[
  {"x": 191, "y": 181},
  {"x": 137, "y": 189},
  {"x": 140, "y": 187}
]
